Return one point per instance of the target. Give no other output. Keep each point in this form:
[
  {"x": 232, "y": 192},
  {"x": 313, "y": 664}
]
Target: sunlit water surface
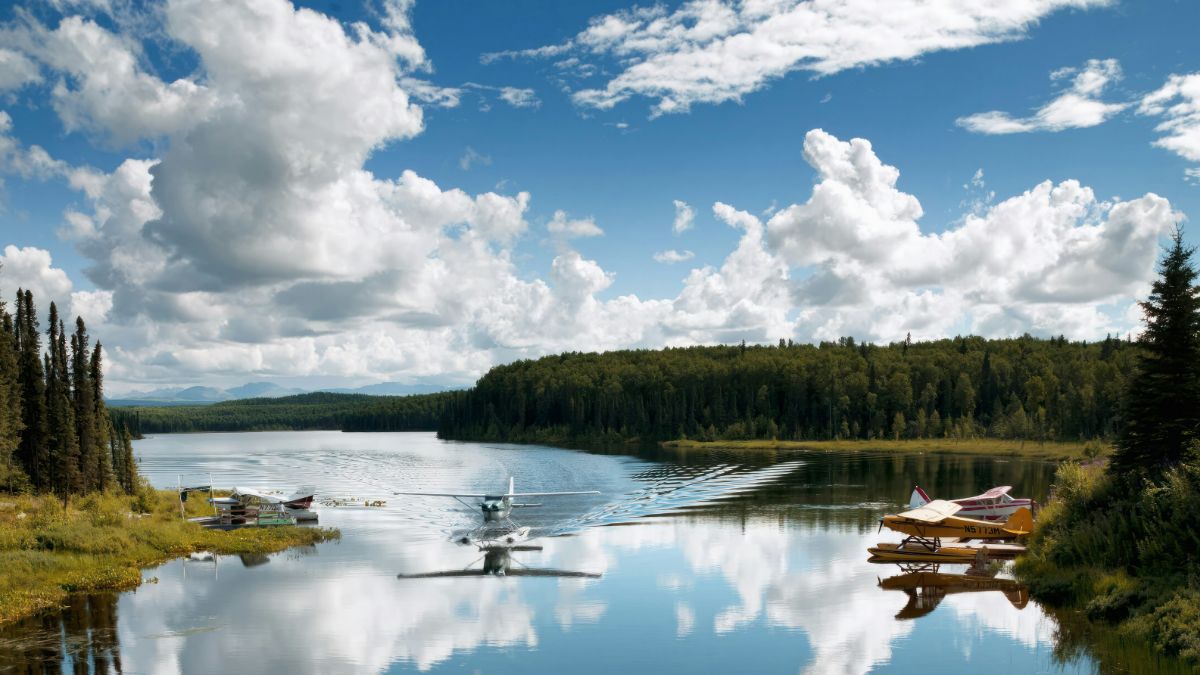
[{"x": 701, "y": 562}]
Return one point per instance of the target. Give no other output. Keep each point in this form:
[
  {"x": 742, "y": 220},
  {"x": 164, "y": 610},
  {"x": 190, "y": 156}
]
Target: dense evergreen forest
[
  {"x": 1024, "y": 388},
  {"x": 55, "y": 433},
  {"x": 347, "y": 412}
]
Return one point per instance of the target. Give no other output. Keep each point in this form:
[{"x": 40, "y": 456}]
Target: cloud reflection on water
[{"x": 771, "y": 584}]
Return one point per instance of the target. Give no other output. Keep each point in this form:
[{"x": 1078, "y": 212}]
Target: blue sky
[{"x": 346, "y": 192}]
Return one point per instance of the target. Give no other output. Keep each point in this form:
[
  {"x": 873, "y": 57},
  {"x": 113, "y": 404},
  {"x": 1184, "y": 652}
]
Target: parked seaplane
[
  {"x": 498, "y": 562},
  {"x": 928, "y": 524},
  {"x": 498, "y": 528},
  {"x": 995, "y": 504},
  {"x": 297, "y": 504}
]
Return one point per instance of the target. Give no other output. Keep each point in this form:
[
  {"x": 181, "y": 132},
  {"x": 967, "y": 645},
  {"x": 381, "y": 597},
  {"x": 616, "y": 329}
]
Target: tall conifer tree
[
  {"x": 34, "y": 448},
  {"x": 1162, "y": 400},
  {"x": 91, "y": 467},
  {"x": 12, "y": 475},
  {"x": 64, "y": 442},
  {"x": 100, "y": 417},
  {"x": 128, "y": 462}
]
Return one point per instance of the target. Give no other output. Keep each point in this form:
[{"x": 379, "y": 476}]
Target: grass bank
[
  {"x": 1049, "y": 450},
  {"x": 101, "y": 542},
  {"x": 1123, "y": 554}
]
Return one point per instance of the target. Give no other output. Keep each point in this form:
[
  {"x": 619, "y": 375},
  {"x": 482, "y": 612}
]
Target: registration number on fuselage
[{"x": 977, "y": 529}]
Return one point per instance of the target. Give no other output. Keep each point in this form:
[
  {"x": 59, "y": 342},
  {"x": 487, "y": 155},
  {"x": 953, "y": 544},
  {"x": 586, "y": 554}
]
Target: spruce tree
[
  {"x": 100, "y": 417},
  {"x": 33, "y": 452},
  {"x": 1161, "y": 414},
  {"x": 12, "y": 476},
  {"x": 64, "y": 442},
  {"x": 128, "y": 462},
  {"x": 91, "y": 467},
  {"x": 117, "y": 452}
]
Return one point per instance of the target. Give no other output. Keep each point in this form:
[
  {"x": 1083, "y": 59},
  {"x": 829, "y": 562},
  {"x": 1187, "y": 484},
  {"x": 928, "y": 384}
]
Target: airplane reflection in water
[
  {"x": 498, "y": 562},
  {"x": 926, "y": 587}
]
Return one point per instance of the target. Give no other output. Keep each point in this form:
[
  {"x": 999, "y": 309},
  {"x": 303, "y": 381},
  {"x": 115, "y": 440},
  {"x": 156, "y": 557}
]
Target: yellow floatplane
[{"x": 928, "y": 525}]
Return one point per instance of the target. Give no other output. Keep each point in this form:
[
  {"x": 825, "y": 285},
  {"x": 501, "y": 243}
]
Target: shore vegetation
[
  {"x": 101, "y": 542},
  {"x": 1119, "y": 540},
  {"x": 992, "y": 447}
]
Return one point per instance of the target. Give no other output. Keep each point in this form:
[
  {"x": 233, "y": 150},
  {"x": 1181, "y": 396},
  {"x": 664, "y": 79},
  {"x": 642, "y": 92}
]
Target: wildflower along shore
[{"x": 101, "y": 542}]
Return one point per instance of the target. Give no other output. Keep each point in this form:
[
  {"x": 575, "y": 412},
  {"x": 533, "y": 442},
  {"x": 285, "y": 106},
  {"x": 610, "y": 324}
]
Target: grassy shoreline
[
  {"x": 1048, "y": 450},
  {"x": 102, "y": 543}
]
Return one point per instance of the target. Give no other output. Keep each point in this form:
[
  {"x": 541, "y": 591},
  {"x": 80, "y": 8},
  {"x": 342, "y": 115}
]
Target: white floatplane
[
  {"x": 247, "y": 506},
  {"x": 995, "y": 504},
  {"x": 498, "y": 528}
]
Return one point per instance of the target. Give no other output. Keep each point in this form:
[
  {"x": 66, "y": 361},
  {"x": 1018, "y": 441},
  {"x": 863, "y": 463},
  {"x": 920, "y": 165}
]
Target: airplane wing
[
  {"x": 249, "y": 492},
  {"x": 551, "y": 494},
  {"x": 534, "y": 572},
  {"x": 444, "y": 494},
  {"x": 934, "y": 512},
  {"x": 448, "y": 573},
  {"x": 995, "y": 492}
]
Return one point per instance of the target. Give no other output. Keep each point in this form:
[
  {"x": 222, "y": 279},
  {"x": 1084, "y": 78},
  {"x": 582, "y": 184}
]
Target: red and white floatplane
[{"x": 995, "y": 504}]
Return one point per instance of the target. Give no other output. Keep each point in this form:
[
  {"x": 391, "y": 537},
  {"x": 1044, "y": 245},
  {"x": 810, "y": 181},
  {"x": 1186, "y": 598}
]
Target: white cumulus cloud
[
  {"x": 671, "y": 256},
  {"x": 16, "y": 70},
  {"x": 1079, "y": 106},
  {"x": 1047, "y": 260},
  {"x": 566, "y": 227},
  {"x": 685, "y": 217},
  {"x": 1177, "y": 102}
]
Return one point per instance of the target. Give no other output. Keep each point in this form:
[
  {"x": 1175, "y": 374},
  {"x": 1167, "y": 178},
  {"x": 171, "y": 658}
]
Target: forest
[
  {"x": 1020, "y": 388},
  {"x": 302, "y": 412},
  {"x": 55, "y": 433}
]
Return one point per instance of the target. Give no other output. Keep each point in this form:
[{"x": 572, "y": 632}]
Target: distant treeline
[
  {"x": 347, "y": 412},
  {"x": 963, "y": 387}
]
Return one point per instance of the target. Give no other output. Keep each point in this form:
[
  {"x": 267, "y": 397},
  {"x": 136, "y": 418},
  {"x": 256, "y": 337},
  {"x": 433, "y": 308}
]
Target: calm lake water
[{"x": 703, "y": 562}]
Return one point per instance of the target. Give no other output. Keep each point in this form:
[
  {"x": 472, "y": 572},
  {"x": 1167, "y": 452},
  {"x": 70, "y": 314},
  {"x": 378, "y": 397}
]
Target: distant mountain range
[{"x": 173, "y": 396}]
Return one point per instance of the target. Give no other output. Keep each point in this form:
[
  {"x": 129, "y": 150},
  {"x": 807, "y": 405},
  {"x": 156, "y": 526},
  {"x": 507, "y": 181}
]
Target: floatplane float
[
  {"x": 498, "y": 528},
  {"x": 995, "y": 504},
  {"x": 935, "y": 533}
]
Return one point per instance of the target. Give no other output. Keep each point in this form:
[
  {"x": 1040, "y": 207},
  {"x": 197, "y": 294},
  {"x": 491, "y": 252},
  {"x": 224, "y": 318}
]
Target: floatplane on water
[
  {"x": 498, "y": 528},
  {"x": 927, "y": 525},
  {"x": 250, "y": 507},
  {"x": 995, "y": 504}
]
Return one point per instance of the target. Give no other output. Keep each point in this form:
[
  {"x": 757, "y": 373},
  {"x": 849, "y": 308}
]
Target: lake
[{"x": 685, "y": 563}]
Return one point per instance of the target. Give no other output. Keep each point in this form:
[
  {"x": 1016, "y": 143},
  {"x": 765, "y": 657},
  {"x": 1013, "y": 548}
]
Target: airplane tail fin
[
  {"x": 511, "y": 485},
  {"x": 919, "y": 498},
  {"x": 1020, "y": 522}
]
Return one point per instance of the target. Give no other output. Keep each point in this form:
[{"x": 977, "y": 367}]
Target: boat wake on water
[
  {"x": 668, "y": 490},
  {"x": 658, "y": 491}
]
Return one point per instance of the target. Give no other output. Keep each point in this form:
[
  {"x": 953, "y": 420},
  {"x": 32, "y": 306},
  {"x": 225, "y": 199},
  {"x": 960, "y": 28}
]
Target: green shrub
[
  {"x": 1175, "y": 625},
  {"x": 1121, "y": 552}
]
